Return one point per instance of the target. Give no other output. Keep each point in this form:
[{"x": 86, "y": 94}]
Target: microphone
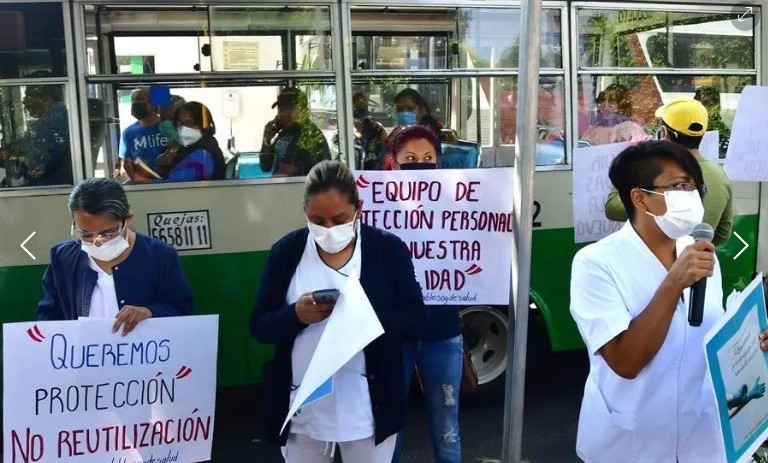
[{"x": 701, "y": 232}]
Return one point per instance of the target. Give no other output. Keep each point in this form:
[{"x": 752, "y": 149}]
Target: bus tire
[{"x": 485, "y": 334}]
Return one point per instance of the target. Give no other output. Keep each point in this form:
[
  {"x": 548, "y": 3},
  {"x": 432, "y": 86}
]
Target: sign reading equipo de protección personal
[
  {"x": 457, "y": 224},
  {"x": 76, "y": 392}
]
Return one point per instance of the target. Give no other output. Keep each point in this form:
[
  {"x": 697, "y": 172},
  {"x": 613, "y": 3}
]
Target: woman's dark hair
[
  {"x": 414, "y": 132},
  {"x": 639, "y": 165},
  {"x": 200, "y": 114},
  {"x": 327, "y": 175},
  {"x": 416, "y": 98},
  {"x": 203, "y": 119},
  {"x": 618, "y": 94},
  {"x": 102, "y": 197}
]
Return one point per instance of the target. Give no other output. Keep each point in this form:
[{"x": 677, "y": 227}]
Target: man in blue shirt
[{"x": 143, "y": 139}]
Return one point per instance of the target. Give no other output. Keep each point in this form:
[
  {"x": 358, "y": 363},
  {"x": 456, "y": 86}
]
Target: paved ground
[{"x": 549, "y": 432}]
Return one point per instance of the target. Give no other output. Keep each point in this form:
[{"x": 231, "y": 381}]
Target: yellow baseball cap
[{"x": 686, "y": 116}]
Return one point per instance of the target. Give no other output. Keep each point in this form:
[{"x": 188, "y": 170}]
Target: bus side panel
[
  {"x": 551, "y": 255},
  {"x": 226, "y": 284}
]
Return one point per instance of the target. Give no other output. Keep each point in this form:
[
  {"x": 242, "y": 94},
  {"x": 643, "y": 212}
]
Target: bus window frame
[
  {"x": 703, "y": 7},
  {"x": 69, "y": 82}
]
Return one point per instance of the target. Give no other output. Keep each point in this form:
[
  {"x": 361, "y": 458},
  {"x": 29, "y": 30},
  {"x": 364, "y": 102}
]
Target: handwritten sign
[
  {"x": 591, "y": 186},
  {"x": 710, "y": 146},
  {"x": 76, "y": 392},
  {"x": 747, "y": 157},
  {"x": 457, "y": 224}
]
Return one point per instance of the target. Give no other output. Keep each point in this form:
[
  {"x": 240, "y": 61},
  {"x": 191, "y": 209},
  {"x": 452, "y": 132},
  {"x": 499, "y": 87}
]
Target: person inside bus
[
  {"x": 411, "y": 109},
  {"x": 370, "y": 135},
  {"x": 710, "y": 98},
  {"x": 108, "y": 270},
  {"x": 292, "y": 143},
  {"x": 367, "y": 405},
  {"x": 168, "y": 121},
  {"x": 613, "y": 122},
  {"x": 142, "y": 139},
  {"x": 199, "y": 156},
  {"x": 648, "y": 396},
  {"x": 684, "y": 122},
  {"x": 438, "y": 355},
  {"x": 41, "y": 156}
]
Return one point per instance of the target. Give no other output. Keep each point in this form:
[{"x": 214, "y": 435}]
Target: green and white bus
[{"x": 462, "y": 55}]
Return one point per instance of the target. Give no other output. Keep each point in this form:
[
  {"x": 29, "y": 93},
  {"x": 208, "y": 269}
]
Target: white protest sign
[
  {"x": 747, "y": 157},
  {"x": 352, "y": 325},
  {"x": 76, "y": 392},
  {"x": 591, "y": 187},
  {"x": 457, "y": 224},
  {"x": 710, "y": 145}
]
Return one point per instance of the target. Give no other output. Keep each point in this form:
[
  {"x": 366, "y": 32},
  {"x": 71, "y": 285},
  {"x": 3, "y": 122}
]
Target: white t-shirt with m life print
[{"x": 345, "y": 414}]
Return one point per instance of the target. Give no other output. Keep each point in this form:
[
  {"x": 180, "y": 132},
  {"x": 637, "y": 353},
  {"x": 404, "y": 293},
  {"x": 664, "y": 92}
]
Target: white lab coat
[{"x": 667, "y": 414}]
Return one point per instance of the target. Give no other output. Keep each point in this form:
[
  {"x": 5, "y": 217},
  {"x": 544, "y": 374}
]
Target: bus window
[
  {"x": 34, "y": 136},
  {"x": 619, "y": 38},
  {"x": 146, "y": 40},
  {"x": 616, "y": 108},
  {"x": 251, "y": 38},
  {"x": 621, "y": 108},
  {"x": 31, "y": 39},
  {"x": 240, "y": 115},
  {"x": 490, "y": 38}
]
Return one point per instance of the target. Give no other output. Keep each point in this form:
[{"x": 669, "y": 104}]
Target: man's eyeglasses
[
  {"x": 702, "y": 189},
  {"x": 102, "y": 236}
]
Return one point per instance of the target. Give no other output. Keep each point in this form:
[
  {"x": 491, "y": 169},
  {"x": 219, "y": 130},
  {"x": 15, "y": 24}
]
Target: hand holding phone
[
  {"x": 326, "y": 296},
  {"x": 316, "y": 306}
]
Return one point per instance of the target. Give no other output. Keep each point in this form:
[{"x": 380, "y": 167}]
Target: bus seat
[
  {"x": 458, "y": 155},
  {"x": 249, "y": 166}
]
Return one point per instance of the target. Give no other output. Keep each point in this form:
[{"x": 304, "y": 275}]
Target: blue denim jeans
[{"x": 439, "y": 365}]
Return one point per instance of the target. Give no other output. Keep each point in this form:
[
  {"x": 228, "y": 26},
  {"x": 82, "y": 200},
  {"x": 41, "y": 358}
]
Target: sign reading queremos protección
[
  {"x": 457, "y": 224},
  {"x": 185, "y": 230},
  {"x": 76, "y": 392}
]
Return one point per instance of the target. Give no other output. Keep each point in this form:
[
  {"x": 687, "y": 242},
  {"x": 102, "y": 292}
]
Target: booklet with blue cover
[{"x": 739, "y": 372}]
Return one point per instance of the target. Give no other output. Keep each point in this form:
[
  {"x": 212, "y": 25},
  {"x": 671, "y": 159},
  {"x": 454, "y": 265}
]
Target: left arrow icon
[{"x": 25, "y": 242}]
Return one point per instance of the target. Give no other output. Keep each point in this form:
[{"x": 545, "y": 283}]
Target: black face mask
[
  {"x": 418, "y": 166},
  {"x": 139, "y": 111}
]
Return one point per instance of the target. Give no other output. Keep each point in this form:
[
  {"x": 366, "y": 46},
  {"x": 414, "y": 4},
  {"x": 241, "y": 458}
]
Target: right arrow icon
[{"x": 743, "y": 249}]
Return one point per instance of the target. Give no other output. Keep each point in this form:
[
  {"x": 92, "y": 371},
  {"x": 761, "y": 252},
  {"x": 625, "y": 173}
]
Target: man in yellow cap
[{"x": 684, "y": 122}]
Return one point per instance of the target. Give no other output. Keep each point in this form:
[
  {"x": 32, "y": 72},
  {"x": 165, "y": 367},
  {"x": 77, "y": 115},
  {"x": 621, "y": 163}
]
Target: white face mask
[
  {"x": 684, "y": 211},
  {"x": 334, "y": 239},
  {"x": 189, "y": 136},
  {"x": 108, "y": 251}
]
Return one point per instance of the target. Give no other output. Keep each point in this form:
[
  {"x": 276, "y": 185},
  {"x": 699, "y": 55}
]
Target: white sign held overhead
[
  {"x": 75, "y": 391},
  {"x": 591, "y": 187},
  {"x": 457, "y": 224},
  {"x": 747, "y": 157}
]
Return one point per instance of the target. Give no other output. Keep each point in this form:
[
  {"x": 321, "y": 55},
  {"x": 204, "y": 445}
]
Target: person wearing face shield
[
  {"x": 366, "y": 407},
  {"x": 438, "y": 355},
  {"x": 108, "y": 270},
  {"x": 648, "y": 397},
  {"x": 199, "y": 156},
  {"x": 143, "y": 139},
  {"x": 684, "y": 123}
]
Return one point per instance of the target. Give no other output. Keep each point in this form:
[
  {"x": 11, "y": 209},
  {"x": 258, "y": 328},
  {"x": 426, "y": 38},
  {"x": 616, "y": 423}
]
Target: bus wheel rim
[{"x": 486, "y": 335}]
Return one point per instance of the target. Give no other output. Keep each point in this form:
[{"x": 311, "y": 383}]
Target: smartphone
[{"x": 325, "y": 296}]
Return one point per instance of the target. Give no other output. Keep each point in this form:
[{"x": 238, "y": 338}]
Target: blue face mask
[{"x": 405, "y": 118}]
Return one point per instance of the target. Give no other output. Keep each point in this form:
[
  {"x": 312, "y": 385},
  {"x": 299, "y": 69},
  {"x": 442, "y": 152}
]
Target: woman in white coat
[{"x": 648, "y": 397}]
